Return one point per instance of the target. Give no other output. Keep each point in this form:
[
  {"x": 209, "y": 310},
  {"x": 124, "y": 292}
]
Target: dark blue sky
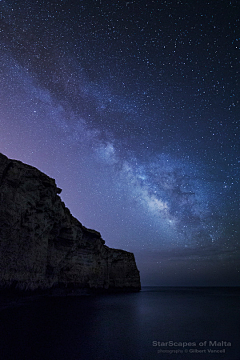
[{"x": 133, "y": 107}]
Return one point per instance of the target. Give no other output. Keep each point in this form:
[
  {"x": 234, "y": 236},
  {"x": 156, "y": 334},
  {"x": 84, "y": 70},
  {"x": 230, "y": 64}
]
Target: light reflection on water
[{"x": 122, "y": 326}]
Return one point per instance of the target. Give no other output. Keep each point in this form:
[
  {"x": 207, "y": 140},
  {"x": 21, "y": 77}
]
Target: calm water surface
[{"x": 124, "y": 326}]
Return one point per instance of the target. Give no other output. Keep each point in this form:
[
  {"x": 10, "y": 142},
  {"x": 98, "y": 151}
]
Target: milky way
[{"x": 133, "y": 107}]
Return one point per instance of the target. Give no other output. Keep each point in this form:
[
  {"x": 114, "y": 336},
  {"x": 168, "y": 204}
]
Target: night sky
[{"x": 133, "y": 108}]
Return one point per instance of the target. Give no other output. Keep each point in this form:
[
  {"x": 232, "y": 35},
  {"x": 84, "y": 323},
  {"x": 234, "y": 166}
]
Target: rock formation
[{"x": 42, "y": 246}]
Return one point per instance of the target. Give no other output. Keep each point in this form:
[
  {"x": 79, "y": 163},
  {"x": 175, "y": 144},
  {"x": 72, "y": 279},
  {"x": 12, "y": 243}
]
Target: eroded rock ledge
[{"x": 42, "y": 246}]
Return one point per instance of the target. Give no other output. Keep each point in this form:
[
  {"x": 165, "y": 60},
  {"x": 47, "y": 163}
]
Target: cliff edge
[{"x": 42, "y": 246}]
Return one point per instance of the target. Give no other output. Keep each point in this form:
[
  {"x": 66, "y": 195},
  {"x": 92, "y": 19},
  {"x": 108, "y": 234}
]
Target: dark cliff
[{"x": 42, "y": 246}]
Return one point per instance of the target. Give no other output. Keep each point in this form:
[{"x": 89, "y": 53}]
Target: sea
[{"x": 156, "y": 323}]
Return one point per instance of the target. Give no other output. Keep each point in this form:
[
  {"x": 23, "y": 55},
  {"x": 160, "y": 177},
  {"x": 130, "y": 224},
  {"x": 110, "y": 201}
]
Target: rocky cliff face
[{"x": 42, "y": 246}]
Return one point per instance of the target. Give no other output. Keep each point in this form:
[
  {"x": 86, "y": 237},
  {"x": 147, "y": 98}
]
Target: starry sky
[{"x": 133, "y": 108}]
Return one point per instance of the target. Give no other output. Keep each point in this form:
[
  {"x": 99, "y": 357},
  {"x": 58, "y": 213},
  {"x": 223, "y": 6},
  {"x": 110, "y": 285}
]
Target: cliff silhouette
[{"x": 43, "y": 247}]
